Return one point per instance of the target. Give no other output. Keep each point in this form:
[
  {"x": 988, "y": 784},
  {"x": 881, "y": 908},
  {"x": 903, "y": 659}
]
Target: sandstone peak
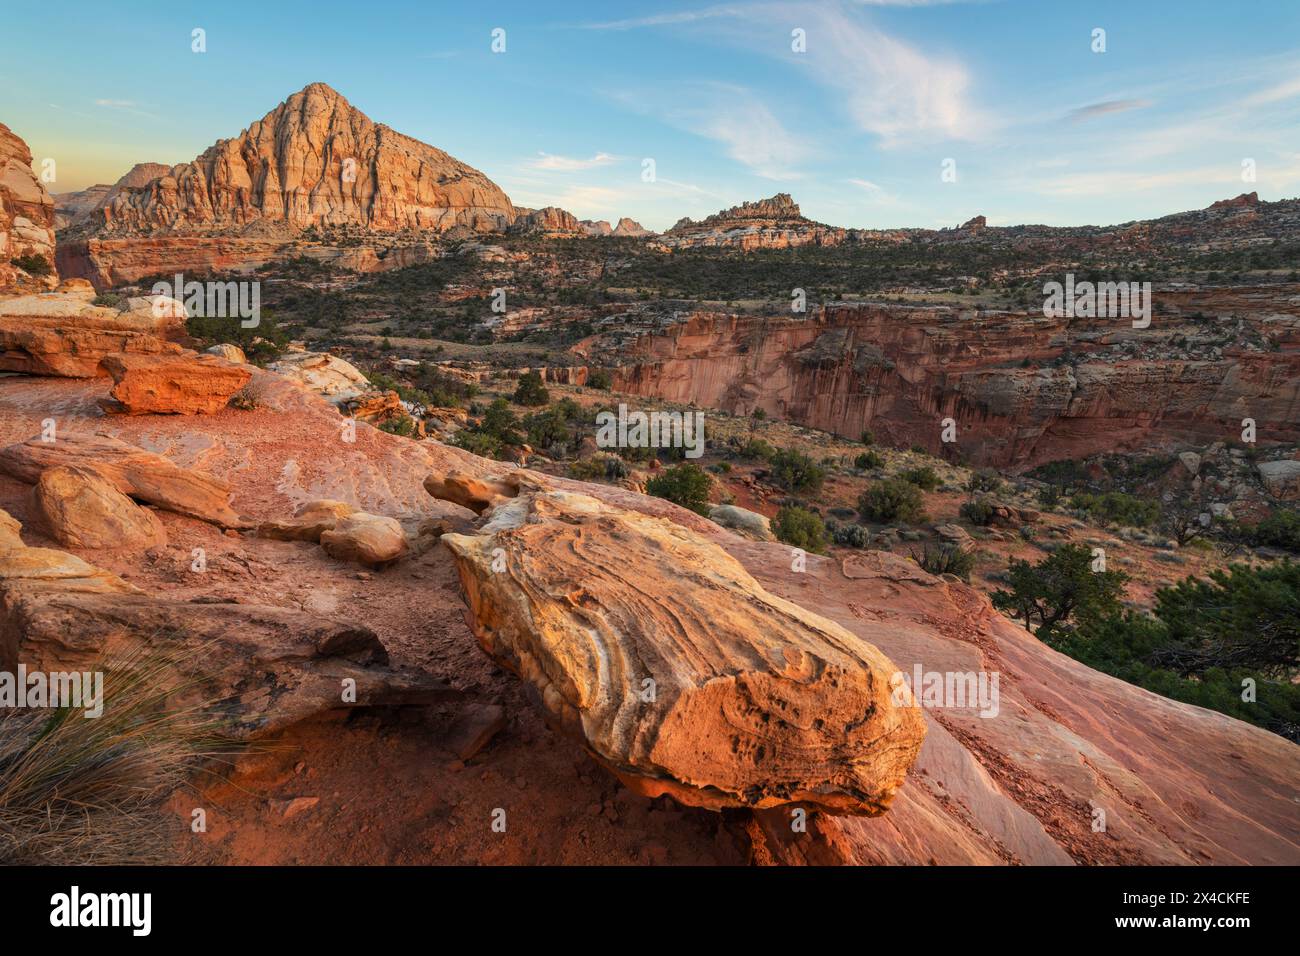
[{"x": 314, "y": 160}]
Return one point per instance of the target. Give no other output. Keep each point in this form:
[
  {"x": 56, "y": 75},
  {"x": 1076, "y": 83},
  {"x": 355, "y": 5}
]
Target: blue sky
[{"x": 1039, "y": 128}]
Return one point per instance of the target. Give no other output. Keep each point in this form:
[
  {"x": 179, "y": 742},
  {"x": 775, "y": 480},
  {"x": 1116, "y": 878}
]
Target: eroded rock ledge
[{"x": 676, "y": 669}]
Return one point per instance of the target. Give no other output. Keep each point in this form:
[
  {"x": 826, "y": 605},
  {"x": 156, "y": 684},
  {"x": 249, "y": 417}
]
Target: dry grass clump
[{"x": 77, "y": 790}]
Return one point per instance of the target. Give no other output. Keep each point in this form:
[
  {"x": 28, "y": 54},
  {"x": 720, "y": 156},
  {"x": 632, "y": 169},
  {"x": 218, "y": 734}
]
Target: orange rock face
[
  {"x": 181, "y": 383},
  {"x": 314, "y": 160},
  {"x": 901, "y": 370},
  {"x": 26, "y": 210}
]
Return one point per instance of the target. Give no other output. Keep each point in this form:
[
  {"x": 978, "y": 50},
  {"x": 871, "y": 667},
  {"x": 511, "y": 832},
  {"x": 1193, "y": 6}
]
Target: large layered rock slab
[
  {"x": 83, "y": 509},
  {"x": 62, "y": 333},
  {"x": 676, "y": 669},
  {"x": 256, "y": 669},
  {"x": 182, "y": 383},
  {"x": 137, "y": 473}
]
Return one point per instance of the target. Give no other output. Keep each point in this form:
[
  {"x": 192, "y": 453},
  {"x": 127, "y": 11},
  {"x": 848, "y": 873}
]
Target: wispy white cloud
[{"x": 557, "y": 163}]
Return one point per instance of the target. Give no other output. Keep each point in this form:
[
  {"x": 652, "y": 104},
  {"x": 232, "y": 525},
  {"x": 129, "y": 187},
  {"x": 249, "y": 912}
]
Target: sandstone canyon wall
[
  {"x": 1023, "y": 389},
  {"x": 26, "y": 209}
]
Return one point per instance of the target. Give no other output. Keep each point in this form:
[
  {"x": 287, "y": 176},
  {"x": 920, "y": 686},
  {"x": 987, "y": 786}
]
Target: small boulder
[
  {"x": 365, "y": 538},
  {"x": 1281, "y": 478},
  {"x": 231, "y": 353},
  {"x": 751, "y": 524},
  {"x": 308, "y": 523},
  {"x": 83, "y": 509},
  {"x": 181, "y": 384}
]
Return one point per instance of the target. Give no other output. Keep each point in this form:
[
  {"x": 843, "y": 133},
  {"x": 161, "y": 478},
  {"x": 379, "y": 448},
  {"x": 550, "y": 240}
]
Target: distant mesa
[
  {"x": 1244, "y": 201},
  {"x": 773, "y": 223}
]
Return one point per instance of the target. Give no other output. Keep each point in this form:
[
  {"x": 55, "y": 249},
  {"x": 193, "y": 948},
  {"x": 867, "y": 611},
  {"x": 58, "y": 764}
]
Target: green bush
[
  {"x": 1118, "y": 507},
  {"x": 687, "y": 485},
  {"x": 868, "y": 438},
  {"x": 868, "y": 461},
  {"x": 947, "y": 559},
  {"x": 891, "y": 500},
  {"x": 1059, "y": 591},
  {"x": 1206, "y": 640},
  {"x": 757, "y": 450},
  {"x": 531, "y": 391},
  {"x": 923, "y": 477},
  {"x": 34, "y": 264},
  {"x": 800, "y": 528},
  {"x": 795, "y": 471},
  {"x": 1281, "y": 529},
  {"x": 403, "y": 425},
  {"x": 978, "y": 512},
  {"x": 600, "y": 378},
  {"x": 985, "y": 481},
  {"x": 599, "y": 468},
  {"x": 850, "y": 535}
]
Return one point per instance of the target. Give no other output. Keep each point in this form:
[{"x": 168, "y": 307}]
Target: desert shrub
[
  {"x": 985, "y": 481},
  {"x": 531, "y": 391},
  {"x": 477, "y": 443},
  {"x": 851, "y": 535},
  {"x": 946, "y": 559},
  {"x": 403, "y": 425},
  {"x": 33, "y": 264},
  {"x": 891, "y": 500},
  {"x": 978, "y": 511},
  {"x": 1061, "y": 590},
  {"x": 599, "y": 468},
  {"x": 549, "y": 429},
  {"x": 923, "y": 477},
  {"x": 1205, "y": 640},
  {"x": 1281, "y": 529},
  {"x": 757, "y": 450},
  {"x": 1049, "y": 496},
  {"x": 800, "y": 528},
  {"x": 686, "y": 484},
  {"x": 498, "y": 428},
  {"x": 868, "y": 438},
  {"x": 600, "y": 378},
  {"x": 1117, "y": 507},
  {"x": 261, "y": 344},
  {"x": 795, "y": 471},
  {"x": 868, "y": 461}
]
